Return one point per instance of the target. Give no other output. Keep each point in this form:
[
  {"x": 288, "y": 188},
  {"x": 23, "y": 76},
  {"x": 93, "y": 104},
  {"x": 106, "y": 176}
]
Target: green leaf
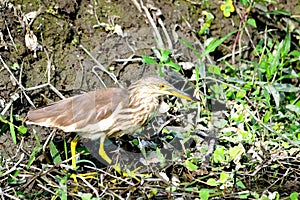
[
  {"x": 149, "y": 60},
  {"x": 164, "y": 55},
  {"x": 171, "y": 189},
  {"x": 12, "y": 179},
  {"x": 4, "y": 128},
  {"x": 135, "y": 142},
  {"x": 240, "y": 184},
  {"x": 66, "y": 149},
  {"x": 290, "y": 74},
  {"x": 160, "y": 71},
  {"x": 214, "y": 69},
  {"x": 277, "y": 12},
  {"x": 54, "y": 153},
  {"x": 204, "y": 194},
  {"x": 219, "y": 155},
  {"x": 294, "y": 196},
  {"x": 191, "y": 166},
  {"x": 293, "y": 108},
  {"x": 224, "y": 177},
  {"x": 174, "y": 66},
  {"x": 15, "y": 66},
  {"x": 244, "y": 195},
  {"x": 85, "y": 196},
  {"x": 12, "y": 127},
  {"x": 22, "y": 129},
  {"x": 274, "y": 65},
  {"x": 156, "y": 53},
  {"x": 201, "y": 69},
  {"x": 197, "y": 75},
  {"x": 240, "y": 94},
  {"x": 190, "y": 46},
  {"x": 267, "y": 117},
  {"x": 191, "y": 189},
  {"x": 209, "y": 17},
  {"x": 236, "y": 152},
  {"x": 274, "y": 93},
  {"x": 206, "y": 25},
  {"x": 154, "y": 191},
  {"x": 211, "y": 47},
  {"x": 33, "y": 153},
  {"x": 62, "y": 190},
  {"x": 295, "y": 53},
  {"x": 160, "y": 156},
  {"x": 212, "y": 182},
  {"x": 286, "y": 87},
  {"x": 245, "y": 3},
  {"x": 252, "y": 22},
  {"x": 220, "y": 123},
  {"x": 204, "y": 29},
  {"x": 267, "y": 97},
  {"x": 286, "y": 45}
]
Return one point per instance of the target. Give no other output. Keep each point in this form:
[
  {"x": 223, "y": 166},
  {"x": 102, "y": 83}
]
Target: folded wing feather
[{"x": 76, "y": 112}]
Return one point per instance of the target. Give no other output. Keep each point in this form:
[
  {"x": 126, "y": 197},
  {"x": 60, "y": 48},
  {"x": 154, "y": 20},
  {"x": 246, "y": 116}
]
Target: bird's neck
[
  {"x": 137, "y": 98},
  {"x": 143, "y": 101}
]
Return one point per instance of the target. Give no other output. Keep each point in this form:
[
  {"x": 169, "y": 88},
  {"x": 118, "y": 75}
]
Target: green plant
[
  {"x": 164, "y": 59},
  {"x": 10, "y": 124},
  {"x": 263, "y": 107},
  {"x": 61, "y": 190},
  {"x": 227, "y": 7},
  {"x": 209, "y": 18}
]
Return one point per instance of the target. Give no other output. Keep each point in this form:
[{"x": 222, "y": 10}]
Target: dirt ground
[{"x": 113, "y": 32}]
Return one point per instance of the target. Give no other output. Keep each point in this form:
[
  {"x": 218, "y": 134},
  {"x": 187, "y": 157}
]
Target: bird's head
[{"x": 156, "y": 86}]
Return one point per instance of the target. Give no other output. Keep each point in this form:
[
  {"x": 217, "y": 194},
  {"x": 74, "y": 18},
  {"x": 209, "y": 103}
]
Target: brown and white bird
[{"x": 110, "y": 112}]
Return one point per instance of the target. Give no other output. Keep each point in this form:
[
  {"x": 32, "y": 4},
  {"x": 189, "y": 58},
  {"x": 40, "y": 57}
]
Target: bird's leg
[
  {"x": 73, "y": 152},
  {"x": 74, "y": 159},
  {"x": 102, "y": 152},
  {"x": 89, "y": 175}
]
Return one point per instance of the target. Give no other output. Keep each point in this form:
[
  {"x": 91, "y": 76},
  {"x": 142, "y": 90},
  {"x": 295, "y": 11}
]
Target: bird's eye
[{"x": 162, "y": 86}]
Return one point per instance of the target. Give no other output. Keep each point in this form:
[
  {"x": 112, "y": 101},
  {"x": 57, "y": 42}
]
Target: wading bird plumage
[{"x": 110, "y": 112}]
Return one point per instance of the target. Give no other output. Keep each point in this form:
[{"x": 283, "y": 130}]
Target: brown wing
[{"x": 76, "y": 112}]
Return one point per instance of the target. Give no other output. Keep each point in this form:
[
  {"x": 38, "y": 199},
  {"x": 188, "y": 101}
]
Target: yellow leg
[
  {"x": 102, "y": 152},
  {"x": 73, "y": 154},
  {"x": 73, "y": 151}
]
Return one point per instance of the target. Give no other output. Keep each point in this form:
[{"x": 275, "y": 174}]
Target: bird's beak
[{"x": 175, "y": 92}]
